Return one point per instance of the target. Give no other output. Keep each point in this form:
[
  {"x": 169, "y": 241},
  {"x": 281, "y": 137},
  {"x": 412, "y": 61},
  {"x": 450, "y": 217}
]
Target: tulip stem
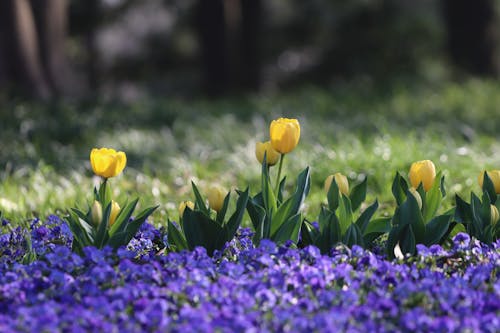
[{"x": 278, "y": 178}]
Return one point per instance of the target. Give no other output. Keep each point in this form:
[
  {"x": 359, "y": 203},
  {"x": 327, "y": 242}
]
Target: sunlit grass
[{"x": 356, "y": 130}]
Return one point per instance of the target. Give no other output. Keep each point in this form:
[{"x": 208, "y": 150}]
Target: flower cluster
[{"x": 246, "y": 288}]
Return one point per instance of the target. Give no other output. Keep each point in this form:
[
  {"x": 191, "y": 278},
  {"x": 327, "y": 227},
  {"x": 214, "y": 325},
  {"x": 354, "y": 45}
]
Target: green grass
[{"x": 357, "y": 129}]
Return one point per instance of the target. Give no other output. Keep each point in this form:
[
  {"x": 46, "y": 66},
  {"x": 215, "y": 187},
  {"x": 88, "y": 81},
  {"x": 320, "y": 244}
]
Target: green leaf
[
  {"x": 375, "y": 229},
  {"x": 344, "y": 213},
  {"x": 358, "y": 194},
  {"x": 123, "y": 237},
  {"x": 333, "y": 196},
  {"x": 463, "y": 212},
  {"x": 288, "y": 230},
  {"x": 199, "y": 201},
  {"x": 399, "y": 188},
  {"x": 123, "y": 217},
  {"x": 364, "y": 219},
  {"x": 175, "y": 237},
  {"x": 353, "y": 236},
  {"x": 235, "y": 220},
  {"x": 308, "y": 234},
  {"x": 267, "y": 192},
  {"x": 433, "y": 200},
  {"x": 407, "y": 240},
  {"x": 200, "y": 230},
  {"x": 411, "y": 212},
  {"x": 292, "y": 205},
  {"x": 256, "y": 212},
  {"x": 281, "y": 189},
  {"x": 102, "y": 230},
  {"x": 489, "y": 188},
  {"x": 105, "y": 193},
  {"x": 222, "y": 213},
  {"x": 436, "y": 229}
]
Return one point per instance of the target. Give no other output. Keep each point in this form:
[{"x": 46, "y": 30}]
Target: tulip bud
[
  {"x": 183, "y": 205},
  {"x": 96, "y": 213},
  {"x": 341, "y": 182},
  {"x": 494, "y": 177},
  {"x": 216, "y": 196},
  {"x": 417, "y": 197},
  {"x": 285, "y": 134},
  {"x": 422, "y": 172},
  {"x": 494, "y": 214},
  {"x": 272, "y": 156},
  {"x": 115, "y": 209}
]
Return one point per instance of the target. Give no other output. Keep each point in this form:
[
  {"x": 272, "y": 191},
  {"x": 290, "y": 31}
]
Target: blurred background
[
  {"x": 130, "y": 49},
  {"x": 187, "y": 87}
]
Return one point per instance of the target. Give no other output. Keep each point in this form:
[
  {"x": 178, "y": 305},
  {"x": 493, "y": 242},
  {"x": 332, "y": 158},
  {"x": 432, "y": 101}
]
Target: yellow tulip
[
  {"x": 183, "y": 205},
  {"x": 494, "y": 214},
  {"x": 107, "y": 162},
  {"x": 216, "y": 196},
  {"x": 422, "y": 172},
  {"x": 341, "y": 182},
  {"x": 96, "y": 213},
  {"x": 495, "y": 179},
  {"x": 272, "y": 156},
  {"x": 115, "y": 209},
  {"x": 285, "y": 134},
  {"x": 417, "y": 197}
]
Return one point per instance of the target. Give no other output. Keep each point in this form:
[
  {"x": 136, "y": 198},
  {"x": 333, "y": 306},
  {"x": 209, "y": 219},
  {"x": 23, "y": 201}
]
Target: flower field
[
  {"x": 244, "y": 288},
  {"x": 365, "y": 232}
]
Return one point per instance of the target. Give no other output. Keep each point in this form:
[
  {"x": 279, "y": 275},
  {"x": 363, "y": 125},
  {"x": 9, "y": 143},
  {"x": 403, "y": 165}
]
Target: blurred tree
[
  {"x": 33, "y": 37},
  {"x": 470, "y": 40}
]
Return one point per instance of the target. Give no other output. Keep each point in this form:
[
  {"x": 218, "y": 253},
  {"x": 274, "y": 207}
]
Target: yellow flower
[
  {"x": 107, "y": 162},
  {"x": 96, "y": 213},
  {"x": 285, "y": 134},
  {"x": 115, "y": 209},
  {"x": 272, "y": 156},
  {"x": 422, "y": 172},
  {"x": 341, "y": 182},
  {"x": 495, "y": 179},
  {"x": 494, "y": 214},
  {"x": 216, "y": 196},
  {"x": 417, "y": 197},
  {"x": 183, "y": 205}
]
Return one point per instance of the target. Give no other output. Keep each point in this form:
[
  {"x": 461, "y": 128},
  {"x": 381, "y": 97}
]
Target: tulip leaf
[
  {"x": 358, "y": 194},
  {"x": 375, "y": 229},
  {"x": 345, "y": 213},
  {"x": 235, "y": 220},
  {"x": 364, "y": 219},
  {"x": 407, "y": 240},
  {"x": 281, "y": 189},
  {"x": 436, "y": 229},
  {"x": 353, "y": 236},
  {"x": 433, "y": 200},
  {"x": 125, "y": 235},
  {"x": 200, "y": 230},
  {"x": 489, "y": 188},
  {"x": 256, "y": 212},
  {"x": 222, "y": 213},
  {"x": 199, "y": 201},
  {"x": 259, "y": 229},
  {"x": 175, "y": 237},
  {"x": 104, "y": 193},
  {"x": 288, "y": 230},
  {"x": 333, "y": 196},
  {"x": 462, "y": 211},
  {"x": 292, "y": 205},
  {"x": 267, "y": 193},
  {"x": 399, "y": 188},
  {"x": 308, "y": 234},
  {"x": 324, "y": 219},
  {"x": 123, "y": 217},
  {"x": 102, "y": 228}
]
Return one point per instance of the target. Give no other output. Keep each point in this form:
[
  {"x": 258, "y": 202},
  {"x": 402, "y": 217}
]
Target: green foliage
[
  {"x": 199, "y": 227},
  {"x": 476, "y": 215},
  {"x": 273, "y": 217},
  {"x": 412, "y": 224},
  {"x": 87, "y": 232},
  {"x": 336, "y": 223}
]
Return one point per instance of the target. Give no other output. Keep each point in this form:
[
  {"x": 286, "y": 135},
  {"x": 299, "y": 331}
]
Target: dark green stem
[{"x": 278, "y": 178}]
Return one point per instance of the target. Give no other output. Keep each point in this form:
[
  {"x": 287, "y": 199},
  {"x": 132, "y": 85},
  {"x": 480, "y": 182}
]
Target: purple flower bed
[{"x": 243, "y": 289}]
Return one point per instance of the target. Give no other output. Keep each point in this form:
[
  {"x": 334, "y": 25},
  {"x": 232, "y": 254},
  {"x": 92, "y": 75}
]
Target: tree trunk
[
  {"x": 213, "y": 45},
  {"x": 251, "y": 21},
  {"x": 22, "y": 52},
  {"x": 470, "y": 42}
]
